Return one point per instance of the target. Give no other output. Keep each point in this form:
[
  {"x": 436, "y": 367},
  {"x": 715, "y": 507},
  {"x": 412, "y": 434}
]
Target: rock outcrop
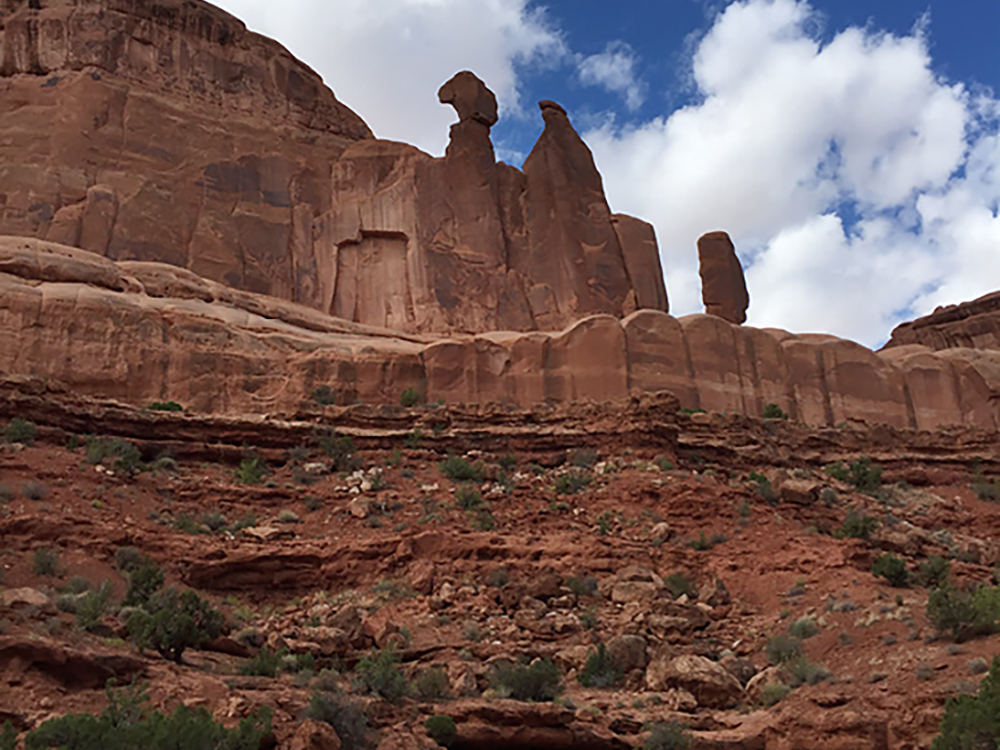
[
  {"x": 113, "y": 142},
  {"x": 143, "y": 332},
  {"x": 970, "y": 325},
  {"x": 723, "y": 287}
]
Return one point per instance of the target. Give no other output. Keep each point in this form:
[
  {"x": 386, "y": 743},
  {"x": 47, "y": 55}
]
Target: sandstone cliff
[{"x": 141, "y": 332}]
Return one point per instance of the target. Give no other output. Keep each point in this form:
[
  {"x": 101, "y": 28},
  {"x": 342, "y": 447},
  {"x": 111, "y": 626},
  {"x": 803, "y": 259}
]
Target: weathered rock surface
[
  {"x": 723, "y": 287},
  {"x": 969, "y": 325},
  {"x": 143, "y": 332}
]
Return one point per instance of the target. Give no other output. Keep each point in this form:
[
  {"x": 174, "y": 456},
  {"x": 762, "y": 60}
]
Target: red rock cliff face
[
  {"x": 974, "y": 325},
  {"x": 163, "y": 130}
]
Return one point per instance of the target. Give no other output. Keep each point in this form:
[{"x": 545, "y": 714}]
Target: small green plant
[
  {"x": 8, "y": 737},
  {"x": 414, "y": 439},
  {"x": 972, "y": 722},
  {"x": 340, "y": 450},
  {"x": 773, "y": 411},
  {"x": 34, "y": 491},
  {"x": 892, "y": 569},
  {"x": 165, "y": 406},
  {"x": 934, "y": 571},
  {"x": 588, "y": 619},
  {"x": 857, "y": 525},
  {"x": 127, "y": 458},
  {"x": 703, "y": 543},
  {"x": 468, "y": 497},
  {"x": 171, "y": 623},
  {"x": 20, "y": 431},
  {"x": 804, "y": 628},
  {"x": 601, "y": 670},
  {"x": 94, "y": 605},
  {"x": 583, "y": 458},
  {"x": 582, "y": 585},
  {"x": 838, "y": 471},
  {"x": 459, "y": 470},
  {"x": 324, "y": 395},
  {"x": 964, "y": 614},
  {"x": 667, "y": 736},
  {"x": 866, "y": 476},
  {"x": 536, "y": 683},
  {"x": 379, "y": 674},
  {"x": 410, "y": 398},
  {"x": 764, "y": 488},
  {"x": 432, "y": 685},
  {"x": 664, "y": 463},
  {"x": 801, "y": 671},
  {"x": 783, "y": 649},
  {"x": 144, "y": 579},
  {"x": 572, "y": 482},
  {"x": 265, "y": 663},
  {"x": 483, "y": 520},
  {"x": 252, "y": 470},
  {"x": 773, "y": 694},
  {"x": 6, "y": 494},
  {"x": 347, "y": 718},
  {"x": 679, "y": 585},
  {"x": 45, "y": 562},
  {"x": 214, "y": 520},
  {"x": 442, "y": 730},
  {"x": 507, "y": 462}
]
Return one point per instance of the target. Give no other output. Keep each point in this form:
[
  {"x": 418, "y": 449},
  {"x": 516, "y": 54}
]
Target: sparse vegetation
[
  {"x": 934, "y": 571},
  {"x": 379, "y": 674},
  {"x": 857, "y": 525},
  {"x": 346, "y": 716},
  {"x": 252, "y": 470},
  {"x": 680, "y": 585},
  {"x": 94, "y": 605},
  {"x": 145, "y": 578},
  {"x": 459, "y": 470},
  {"x": 468, "y": 497},
  {"x": 773, "y": 694},
  {"x": 964, "y": 614},
  {"x": 572, "y": 482},
  {"x": 892, "y": 569},
  {"x": 536, "y": 683},
  {"x": 783, "y": 649},
  {"x": 34, "y": 491},
  {"x": 45, "y": 562},
  {"x": 803, "y": 628},
  {"x": 773, "y": 411},
  {"x": 432, "y": 685},
  {"x": 601, "y": 670},
  {"x": 20, "y": 431},
  {"x": 764, "y": 488},
  {"x": 340, "y": 450},
  {"x": 171, "y": 623},
  {"x": 971, "y": 722},
  {"x": 122, "y": 455},
  {"x": 703, "y": 543},
  {"x": 583, "y": 458},
  {"x": 864, "y": 475},
  {"x": 265, "y": 663},
  {"x": 165, "y": 406},
  {"x": 410, "y": 398},
  {"x": 324, "y": 395},
  {"x": 667, "y": 736},
  {"x": 442, "y": 730}
]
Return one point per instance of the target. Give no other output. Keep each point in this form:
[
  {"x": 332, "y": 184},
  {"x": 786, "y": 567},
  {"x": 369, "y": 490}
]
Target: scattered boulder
[{"x": 709, "y": 682}]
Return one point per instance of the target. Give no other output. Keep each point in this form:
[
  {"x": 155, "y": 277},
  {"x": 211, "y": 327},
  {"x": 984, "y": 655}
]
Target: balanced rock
[{"x": 723, "y": 288}]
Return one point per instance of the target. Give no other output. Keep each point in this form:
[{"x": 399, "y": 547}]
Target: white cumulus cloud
[
  {"x": 859, "y": 187},
  {"x": 386, "y": 59},
  {"x": 614, "y": 70}
]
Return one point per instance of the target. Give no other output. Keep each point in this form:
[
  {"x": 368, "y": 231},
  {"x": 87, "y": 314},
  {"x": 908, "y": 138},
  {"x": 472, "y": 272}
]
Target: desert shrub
[
  {"x": 379, "y": 674},
  {"x": 601, "y": 670},
  {"x": 679, "y": 584},
  {"x": 468, "y": 497},
  {"x": 865, "y": 475},
  {"x": 985, "y": 489},
  {"x": 459, "y": 470},
  {"x": 892, "y": 569},
  {"x": 340, "y": 449},
  {"x": 783, "y": 649},
  {"x": 265, "y": 663},
  {"x": 773, "y": 694},
  {"x": 801, "y": 671},
  {"x": 286, "y": 515},
  {"x": 213, "y": 519},
  {"x": 324, "y": 395},
  {"x": 432, "y": 685},
  {"x": 34, "y": 491},
  {"x": 144, "y": 580},
  {"x": 584, "y": 458},
  {"x": 963, "y": 614},
  {"x": 345, "y": 716},
  {"x": 507, "y": 462},
  {"x": 92, "y": 607},
  {"x": 483, "y": 520},
  {"x": 764, "y": 488},
  {"x": 702, "y": 543},
  {"x": 803, "y": 628},
  {"x": 972, "y": 722},
  {"x": 127, "y": 723},
  {"x": 838, "y": 471},
  {"x": 410, "y": 398},
  {"x": 934, "y": 571},
  {"x": 128, "y": 559},
  {"x": 127, "y": 457},
  {"x": 165, "y": 406},
  {"x": 442, "y": 730},
  {"x": 20, "y": 431},
  {"x": 171, "y": 623},
  {"x": 664, "y": 463},
  {"x": 572, "y": 482},
  {"x": 857, "y": 525},
  {"x": 6, "y": 493},
  {"x": 45, "y": 562},
  {"x": 8, "y": 737},
  {"x": 773, "y": 411},
  {"x": 252, "y": 470},
  {"x": 582, "y": 585},
  {"x": 535, "y": 683},
  {"x": 671, "y": 735}
]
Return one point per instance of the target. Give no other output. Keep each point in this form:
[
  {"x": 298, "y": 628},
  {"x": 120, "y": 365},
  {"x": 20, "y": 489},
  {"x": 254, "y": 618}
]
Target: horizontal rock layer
[
  {"x": 974, "y": 325},
  {"x": 142, "y": 332}
]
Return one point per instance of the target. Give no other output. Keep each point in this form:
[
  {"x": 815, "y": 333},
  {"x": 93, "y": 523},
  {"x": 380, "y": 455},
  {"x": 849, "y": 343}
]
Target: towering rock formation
[{"x": 723, "y": 288}]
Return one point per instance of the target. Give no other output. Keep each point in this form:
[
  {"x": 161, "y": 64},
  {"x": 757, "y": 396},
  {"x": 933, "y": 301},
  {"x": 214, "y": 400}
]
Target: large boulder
[
  {"x": 709, "y": 682},
  {"x": 723, "y": 287}
]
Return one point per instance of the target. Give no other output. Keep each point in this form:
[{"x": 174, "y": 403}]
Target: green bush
[
  {"x": 92, "y": 607},
  {"x": 583, "y": 458},
  {"x": 340, "y": 450},
  {"x": 801, "y": 671},
  {"x": 34, "y": 491},
  {"x": 345, "y": 716},
  {"x": 602, "y": 670},
  {"x": 8, "y": 737},
  {"x": 468, "y": 497},
  {"x": 773, "y": 411},
  {"x": 410, "y": 398},
  {"x": 379, "y": 674},
  {"x": 773, "y": 694},
  {"x": 20, "y": 431},
  {"x": 934, "y": 571},
  {"x": 144, "y": 580},
  {"x": 679, "y": 584},
  {"x": 265, "y": 663},
  {"x": 442, "y": 730},
  {"x": 783, "y": 649},
  {"x": 432, "y": 685},
  {"x": 171, "y": 623},
  {"x": 838, "y": 471},
  {"x": 803, "y": 628},
  {"x": 324, "y": 395},
  {"x": 459, "y": 470},
  {"x": 764, "y": 488},
  {"x": 165, "y": 406},
  {"x": 892, "y": 569},
  {"x": 535, "y": 683},
  {"x": 857, "y": 525},
  {"x": 251, "y": 471},
  {"x": 667, "y": 736},
  {"x": 127, "y": 457},
  {"x": 572, "y": 482},
  {"x": 127, "y": 723},
  {"x": 973, "y": 722},
  {"x": 45, "y": 562},
  {"x": 963, "y": 614},
  {"x": 128, "y": 559}
]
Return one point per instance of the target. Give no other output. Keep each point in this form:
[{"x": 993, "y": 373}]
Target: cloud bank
[{"x": 859, "y": 187}]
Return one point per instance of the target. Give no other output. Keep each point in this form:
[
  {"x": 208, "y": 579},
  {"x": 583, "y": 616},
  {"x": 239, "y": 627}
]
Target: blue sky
[{"x": 850, "y": 148}]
